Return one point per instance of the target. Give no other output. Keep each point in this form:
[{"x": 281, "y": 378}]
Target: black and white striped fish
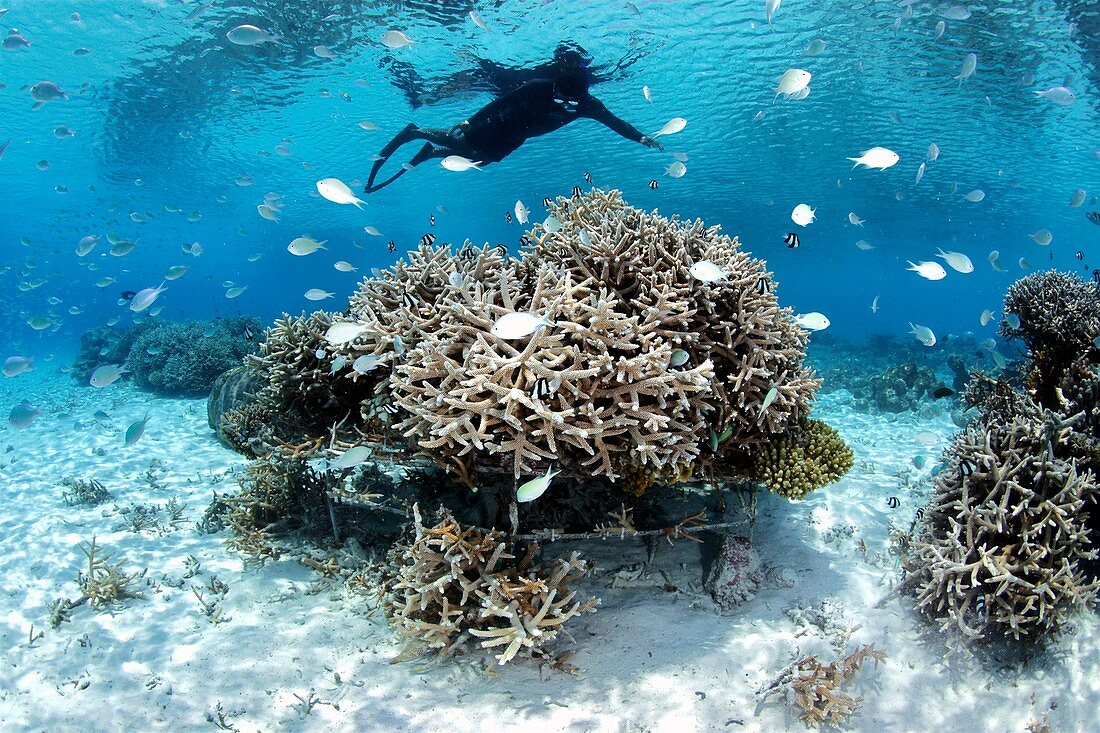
[
  {"x": 893, "y": 502},
  {"x": 541, "y": 388},
  {"x": 577, "y": 192},
  {"x": 427, "y": 240},
  {"x": 431, "y": 219},
  {"x": 408, "y": 300},
  {"x": 762, "y": 285},
  {"x": 654, "y": 185},
  {"x": 508, "y": 216},
  {"x": 524, "y": 240},
  {"x": 390, "y": 407},
  {"x": 966, "y": 468},
  {"x": 587, "y": 177},
  {"x": 1094, "y": 217},
  {"x": 467, "y": 253},
  {"x": 546, "y": 202},
  {"x": 392, "y": 246},
  {"x": 792, "y": 241},
  {"x": 501, "y": 250}
]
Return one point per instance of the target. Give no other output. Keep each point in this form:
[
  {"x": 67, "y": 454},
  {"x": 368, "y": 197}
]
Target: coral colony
[
  {"x": 1006, "y": 548},
  {"x": 598, "y": 355}
]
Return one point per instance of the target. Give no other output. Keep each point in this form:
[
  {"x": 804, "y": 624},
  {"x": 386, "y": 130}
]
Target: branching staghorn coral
[
  {"x": 453, "y": 585},
  {"x": 1002, "y": 540},
  {"x": 1059, "y": 318},
  {"x": 818, "y": 688}
]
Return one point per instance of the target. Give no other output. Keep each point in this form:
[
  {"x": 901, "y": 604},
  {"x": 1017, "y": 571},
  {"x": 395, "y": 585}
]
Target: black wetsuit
[{"x": 504, "y": 124}]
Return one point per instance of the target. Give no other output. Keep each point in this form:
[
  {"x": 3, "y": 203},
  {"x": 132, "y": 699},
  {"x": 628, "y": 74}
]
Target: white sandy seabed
[{"x": 650, "y": 659}]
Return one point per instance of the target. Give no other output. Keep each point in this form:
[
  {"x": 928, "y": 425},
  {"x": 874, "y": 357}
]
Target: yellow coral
[{"x": 813, "y": 456}]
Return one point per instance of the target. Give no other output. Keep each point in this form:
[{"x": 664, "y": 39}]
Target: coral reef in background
[
  {"x": 452, "y": 585},
  {"x": 184, "y": 359},
  {"x": 166, "y": 357},
  {"x": 1007, "y": 546},
  {"x": 902, "y": 387}
]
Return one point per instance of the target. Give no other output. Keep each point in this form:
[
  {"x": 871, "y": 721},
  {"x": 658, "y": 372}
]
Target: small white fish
[
  {"x": 323, "y": 52},
  {"x": 145, "y": 298},
  {"x": 708, "y": 272},
  {"x": 803, "y": 215},
  {"x": 1042, "y": 237},
  {"x": 854, "y": 219},
  {"x": 812, "y": 321},
  {"x": 954, "y": 12},
  {"x": 268, "y": 213},
  {"x": 792, "y": 82},
  {"x": 395, "y": 40},
  {"x": 518, "y": 325},
  {"x": 336, "y": 191},
  {"x": 585, "y": 237},
  {"x": 770, "y": 6},
  {"x": 998, "y": 359},
  {"x": 551, "y": 224},
  {"x": 969, "y": 66},
  {"x": 1078, "y": 198},
  {"x": 302, "y": 246},
  {"x": 769, "y": 398},
  {"x": 368, "y": 125},
  {"x": 351, "y": 458},
  {"x": 16, "y": 365},
  {"x": 933, "y": 152},
  {"x": 678, "y": 357},
  {"x": 23, "y": 415},
  {"x": 107, "y": 375},
  {"x": 536, "y": 487},
  {"x": 676, "y": 169},
  {"x": 957, "y": 260},
  {"x": 994, "y": 261},
  {"x": 940, "y": 28},
  {"x": 343, "y": 332},
  {"x": 176, "y": 271},
  {"x": 975, "y": 196},
  {"x": 343, "y": 266},
  {"x": 522, "y": 212},
  {"x": 372, "y": 230},
  {"x": 86, "y": 245},
  {"x": 235, "y": 292},
  {"x": 1024, "y": 264},
  {"x": 924, "y": 334},
  {"x": 136, "y": 430},
  {"x": 816, "y": 47},
  {"x": 928, "y": 270},
  {"x": 671, "y": 127},
  {"x": 250, "y": 35},
  {"x": 865, "y": 245},
  {"x": 478, "y": 21},
  {"x": 455, "y": 279},
  {"x": 874, "y": 305},
  {"x": 458, "y": 163},
  {"x": 1063, "y": 96},
  {"x": 365, "y": 363},
  {"x": 338, "y": 364},
  {"x": 986, "y": 317},
  {"x": 920, "y": 174},
  {"x": 318, "y": 294},
  {"x": 876, "y": 157},
  {"x": 646, "y": 93}
]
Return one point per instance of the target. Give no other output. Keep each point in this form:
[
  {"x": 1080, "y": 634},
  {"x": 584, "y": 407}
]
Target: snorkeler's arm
[{"x": 596, "y": 109}]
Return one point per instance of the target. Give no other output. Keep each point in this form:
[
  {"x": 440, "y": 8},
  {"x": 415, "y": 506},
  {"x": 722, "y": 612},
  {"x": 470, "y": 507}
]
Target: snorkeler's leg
[{"x": 426, "y": 153}]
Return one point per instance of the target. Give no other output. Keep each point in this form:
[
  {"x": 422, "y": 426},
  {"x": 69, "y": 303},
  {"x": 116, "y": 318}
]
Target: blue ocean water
[{"x": 166, "y": 112}]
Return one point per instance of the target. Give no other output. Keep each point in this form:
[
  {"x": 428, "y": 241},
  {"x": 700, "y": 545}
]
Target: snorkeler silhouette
[{"x": 537, "y": 107}]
